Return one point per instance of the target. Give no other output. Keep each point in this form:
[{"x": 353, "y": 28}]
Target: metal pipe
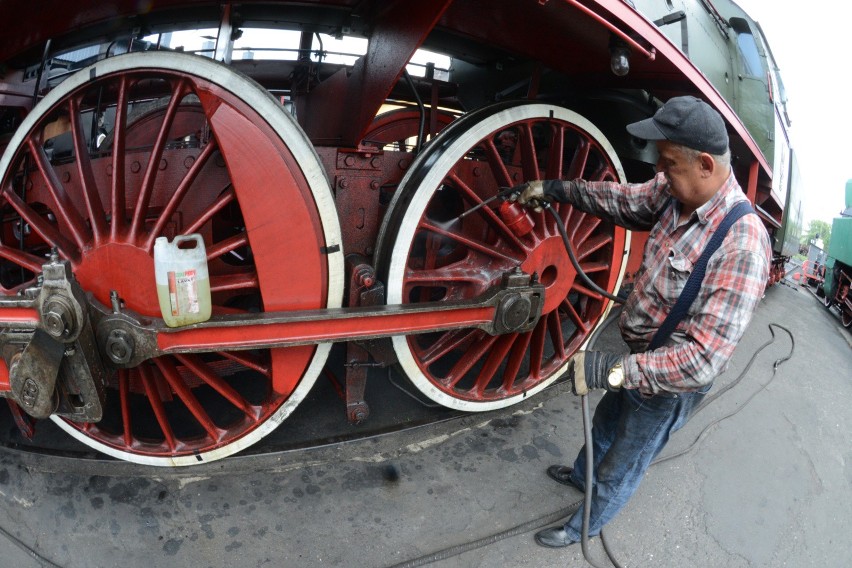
[{"x": 422, "y": 127}]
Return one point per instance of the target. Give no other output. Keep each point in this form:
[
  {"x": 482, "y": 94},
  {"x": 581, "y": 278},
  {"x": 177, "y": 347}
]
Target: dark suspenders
[{"x": 693, "y": 284}]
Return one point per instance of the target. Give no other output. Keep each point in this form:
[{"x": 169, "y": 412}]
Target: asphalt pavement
[{"x": 766, "y": 485}]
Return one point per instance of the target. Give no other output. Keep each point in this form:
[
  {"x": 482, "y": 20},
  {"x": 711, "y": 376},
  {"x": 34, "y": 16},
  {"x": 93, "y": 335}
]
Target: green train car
[
  {"x": 730, "y": 48},
  {"x": 838, "y": 264}
]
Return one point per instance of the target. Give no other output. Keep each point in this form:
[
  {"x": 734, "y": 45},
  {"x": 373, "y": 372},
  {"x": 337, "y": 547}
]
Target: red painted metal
[
  {"x": 650, "y": 54},
  {"x": 398, "y": 32},
  {"x": 5, "y": 383},
  {"x": 254, "y": 333}
]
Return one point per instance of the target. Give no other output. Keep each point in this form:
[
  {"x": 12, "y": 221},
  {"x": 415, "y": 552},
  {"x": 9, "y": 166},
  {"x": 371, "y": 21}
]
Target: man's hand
[
  {"x": 591, "y": 369},
  {"x": 534, "y": 193}
]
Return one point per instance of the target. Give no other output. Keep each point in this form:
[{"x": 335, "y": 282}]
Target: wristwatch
[{"x": 616, "y": 377}]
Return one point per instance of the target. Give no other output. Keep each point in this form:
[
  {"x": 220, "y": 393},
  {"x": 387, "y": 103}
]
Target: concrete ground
[{"x": 767, "y": 487}]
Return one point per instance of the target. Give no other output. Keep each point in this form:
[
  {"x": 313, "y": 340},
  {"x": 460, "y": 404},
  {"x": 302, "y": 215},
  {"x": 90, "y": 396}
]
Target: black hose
[
  {"x": 421, "y": 128},
  {"x": 560, "y": 226},
  {"x": 584, "y": 400},
  {"x": 733, "y": 383}
]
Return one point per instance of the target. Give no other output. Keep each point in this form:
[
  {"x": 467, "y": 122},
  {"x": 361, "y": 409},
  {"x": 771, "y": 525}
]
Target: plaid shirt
[{"x": 701, "y": 346}]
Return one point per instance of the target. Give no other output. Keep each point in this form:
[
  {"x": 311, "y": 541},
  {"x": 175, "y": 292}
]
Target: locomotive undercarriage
[
  {"x": 481, "y": 312},
  {"x": 324, "y": 219}
]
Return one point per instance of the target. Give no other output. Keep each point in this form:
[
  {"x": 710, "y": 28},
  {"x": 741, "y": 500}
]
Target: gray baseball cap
[{"x": 688, "y": 121}]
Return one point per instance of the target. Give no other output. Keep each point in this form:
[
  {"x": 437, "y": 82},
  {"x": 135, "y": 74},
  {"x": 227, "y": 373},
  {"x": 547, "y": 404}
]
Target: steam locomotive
[{"x": 324, "y": 152}]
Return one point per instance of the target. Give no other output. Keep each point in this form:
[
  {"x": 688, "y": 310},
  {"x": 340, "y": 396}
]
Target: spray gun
[{"x": 515, "y": 216}]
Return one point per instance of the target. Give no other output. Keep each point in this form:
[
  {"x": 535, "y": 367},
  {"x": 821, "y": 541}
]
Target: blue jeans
[{"x": 628, "y": 432}]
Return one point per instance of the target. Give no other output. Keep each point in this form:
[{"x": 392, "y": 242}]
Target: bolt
[
  {"x": 343, "y": 183},
  {"x": 119, "y": 346},
  {"x": 349, "y": 161},
  {"x": 57, "y": 320},
  {"x": 29, "y": 392}
]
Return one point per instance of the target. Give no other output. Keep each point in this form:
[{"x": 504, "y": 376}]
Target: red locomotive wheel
[
  {"x": 213, "y": 154},
  {"x": 397, "y": 128},
  {"x": 427, "y": 254}
]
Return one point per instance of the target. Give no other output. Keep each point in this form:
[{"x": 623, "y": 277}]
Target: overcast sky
[{"x": 813, "y": 52}]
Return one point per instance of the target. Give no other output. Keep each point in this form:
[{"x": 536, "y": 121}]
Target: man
[{"x": 651, "y": 393}]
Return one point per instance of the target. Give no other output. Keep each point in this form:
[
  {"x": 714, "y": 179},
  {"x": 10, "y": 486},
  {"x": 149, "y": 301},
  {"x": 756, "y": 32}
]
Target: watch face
[{"x": 616, "y": 376}]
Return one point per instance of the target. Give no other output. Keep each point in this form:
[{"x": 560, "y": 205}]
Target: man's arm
[{"x": 634, "y": 206}]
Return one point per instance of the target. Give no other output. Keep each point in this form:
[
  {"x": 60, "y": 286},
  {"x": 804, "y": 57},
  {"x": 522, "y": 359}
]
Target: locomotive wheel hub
[{"x": 554, "y": 270}]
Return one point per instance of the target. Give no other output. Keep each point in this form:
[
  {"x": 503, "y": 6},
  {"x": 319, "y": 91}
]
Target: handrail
[{"x": 611, "y": 27}]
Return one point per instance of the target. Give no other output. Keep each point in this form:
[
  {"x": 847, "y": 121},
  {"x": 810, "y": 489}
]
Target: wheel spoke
[
  {"x": 528, "y": 153},
  {"x": 203, "y": 371},
  {"x": 224, "y": 282},
  {"x": 170, "y": 373},
  {"x": 557, "y": 149},
  {"x": 218, "y": 204},
  {"x": 591, "y": 245},
  {"x": 498, "y": 168},
  {"x": 470, "y": 358},
  {"x": 490, "y": 216},
  {"x": 180, "y": 193},
  {"x": 470, "y": 242},
  {"x": 117, "y": 187},
  {"x": 225, "y": 246},
  {"x": 516, "y": 359},
  {"x": 554, "y": 327},
  {"x": 91, "y": 199},
  {"x": 41, "y": 226},
  {"x": 448, "y": 342},
  {"x": 142, "y": 202},
  {"x": 64, "y": 208},
  {"x": 579, "y": 160},
  {"x": 492, "y": 363},
  {"x": 156, "y": 402},
  {"x": 124, "y": 396},
  {"x": 575, "y": 317},
  {"x": 249, "y": 361},
  {"x": 21, "y": 258}
]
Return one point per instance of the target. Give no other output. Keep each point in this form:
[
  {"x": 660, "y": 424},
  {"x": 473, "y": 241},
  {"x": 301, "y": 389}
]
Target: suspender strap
[{"x": 693, "y": 284}]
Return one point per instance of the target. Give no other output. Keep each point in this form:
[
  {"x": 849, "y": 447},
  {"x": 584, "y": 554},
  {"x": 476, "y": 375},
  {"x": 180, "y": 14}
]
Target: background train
[
  {"x": 836, "y": 287},
  {"x": 327, "y": 190}
]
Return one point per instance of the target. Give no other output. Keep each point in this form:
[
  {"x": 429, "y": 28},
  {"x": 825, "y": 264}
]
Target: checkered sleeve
[
  {"x": 701, "y": 347},
  {"x": 635, "y": 206}
]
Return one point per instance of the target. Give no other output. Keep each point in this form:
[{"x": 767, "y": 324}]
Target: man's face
[{"x": 683, "y": 173}]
